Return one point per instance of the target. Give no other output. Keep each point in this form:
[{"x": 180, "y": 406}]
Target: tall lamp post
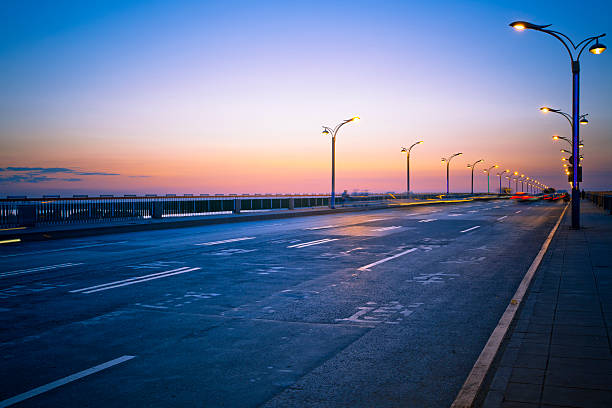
[
  {"x": 500, "y": 176},
  {"x": 408, "y": 165},
  {"x": 574, "y": 51},
  {"x": 333, "y": 132},
  {"x": 472, "y": 167},
  {"x": 489, "y": 171},
  {"x": 447, "y": 161}
]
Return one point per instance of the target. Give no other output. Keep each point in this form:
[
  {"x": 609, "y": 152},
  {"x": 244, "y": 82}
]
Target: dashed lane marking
[
  {"x": 501, "y": 218},
  {"x": 39, "y": 269},
  {"x": 225, "y": 241},
  {"x": 323, "y": 227},
  {"x": 132, "y": 281},
  {"x": 429, "y": 220},
  {"x": 470, "y": 229},
  {"x": 58, "y": 383},
  {"x": 386, "y": 228},
  {"x": 518, "y": 212},
  {"x": 310, "y": 243},
  {"x": 368, "y": 266}
]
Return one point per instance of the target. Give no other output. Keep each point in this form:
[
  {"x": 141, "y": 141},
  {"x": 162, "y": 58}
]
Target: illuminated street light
[
  {"x": 472, "y": 166},
  {"x": 447, "y": 161},
  {"x": 333, "y": 132},
  {"x": 500, "y": 175},
  {"x": 408, "y": 166},
  {"x": 489, "y": 171},
  {"x": 574, "y": 51}
]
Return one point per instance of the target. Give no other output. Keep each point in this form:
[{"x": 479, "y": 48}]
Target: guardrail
[
  {"x": 30, "y": 212},
  {"x": 601, "y": 199}
]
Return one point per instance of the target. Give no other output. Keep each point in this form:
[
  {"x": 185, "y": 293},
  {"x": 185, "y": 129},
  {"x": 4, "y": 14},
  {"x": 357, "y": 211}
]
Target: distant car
[{"x": 522, "y": 197}]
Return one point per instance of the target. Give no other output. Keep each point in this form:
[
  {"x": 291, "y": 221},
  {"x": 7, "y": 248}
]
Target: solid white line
[
  {"x": 39, "y": 269},
  {"x": 142, "y": 280},
  {"x": 61, "y": 249},
  {"x": 317, "y": 242},
  {"x": 225, "y": 241},
  {"x": 63, "y": 381},
  {"x": 470, "y": 229},
  {"x": 501, "y": 218},
  {"x": 516, "y": 212},
  {"x": 323, "y": 227},
  {"x": 364, "y": 268},
  {"x": 473, "y": 383},
  {"x": 128, "y": 280}
]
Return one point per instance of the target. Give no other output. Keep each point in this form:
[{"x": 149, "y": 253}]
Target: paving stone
[
  {"x": 558, "y": 350},
  {"x": 578, "y": 379},
  {"x": 527, "y": 375},
  {"x": 534, "y": 348},
  {"x": 576, "y": 397},
  {"x": 574, "y": 340},
  {"x": 531, "y": 361},
  {"x": 523, "y": 392}
]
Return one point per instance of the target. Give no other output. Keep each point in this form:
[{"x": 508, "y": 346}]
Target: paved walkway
[{"x": 559, "y": 352}]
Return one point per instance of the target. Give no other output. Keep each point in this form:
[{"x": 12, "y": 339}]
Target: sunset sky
[{"x": 230, "y": 96}]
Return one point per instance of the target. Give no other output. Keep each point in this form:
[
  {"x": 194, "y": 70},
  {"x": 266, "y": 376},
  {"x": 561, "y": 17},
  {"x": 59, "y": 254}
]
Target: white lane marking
[
  {"x": 376, "y": 219},
  {"x": 368, "y": 266},
  {"x": 429, "y": 220},
  {"x": 516, "y": 212},
  {"x": 39, "y": 269},
  {"x": 473, "y": 211},
  {"x": 323, "y": 227},
  {"x": 387, "y": 228},
  {"x": 317, "y": 242},
  {"x": 455, "y": 215},
  {"x": 497, "y": 206},
  {"x": 501, "y": 218},
  {"x": 131, "y": 281},
  {"x": 225, "y": 241},
  {"x": 58, "y": 383},
  {"x": 470, "y": 229},
  {"x": 61, "y": 249}
]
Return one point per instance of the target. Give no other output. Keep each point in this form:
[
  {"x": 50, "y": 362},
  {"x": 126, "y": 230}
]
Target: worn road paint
[
  {"x": 39, "y": 269},
  {"x": 225, "y": 241},
  {"x": 386, "y": 228},
  {"x": 501, "y": 218},
  {"x": 61, "y": 249},
  {"x": 310, "y": 243},
  {"x": 323, "y": 227}
]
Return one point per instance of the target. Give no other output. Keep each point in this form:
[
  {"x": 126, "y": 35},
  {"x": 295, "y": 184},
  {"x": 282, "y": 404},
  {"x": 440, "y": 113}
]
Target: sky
[{"x": 174, "y": 96}]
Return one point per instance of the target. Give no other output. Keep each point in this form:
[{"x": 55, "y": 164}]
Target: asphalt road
[{"x": 383, "y": 308}]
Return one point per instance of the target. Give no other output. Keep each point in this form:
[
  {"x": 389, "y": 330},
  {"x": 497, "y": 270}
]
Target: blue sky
[{"x": 230, "y": 96}]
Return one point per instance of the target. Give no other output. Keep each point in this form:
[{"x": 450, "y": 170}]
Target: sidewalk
[{"x": 558, "y": 353}]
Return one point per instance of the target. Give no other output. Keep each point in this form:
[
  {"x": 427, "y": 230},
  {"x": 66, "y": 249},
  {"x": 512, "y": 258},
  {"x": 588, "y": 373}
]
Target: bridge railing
[
  {"x": 28, "y": 212},
  {"x": 601, "y": 199}
]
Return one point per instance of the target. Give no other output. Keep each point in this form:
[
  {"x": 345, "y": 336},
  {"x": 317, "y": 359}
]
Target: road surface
[{"x": 379, "y": 308}]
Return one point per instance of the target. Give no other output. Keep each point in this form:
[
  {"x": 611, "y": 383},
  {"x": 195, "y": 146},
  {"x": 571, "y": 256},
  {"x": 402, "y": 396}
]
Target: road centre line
[
  {"x": 58, "y": 383},
  {"x": 310, "y": 243},
  {"x": 225, "y": 241},
  {"x": 131, "y": 281},
  {"x": 368, "y": 266},
  {"x": 470, "y": 229},
  {"x": 39, "y": 269},
  {"x": 501, "y": 218},
  {"x": 61, "y": 249}
]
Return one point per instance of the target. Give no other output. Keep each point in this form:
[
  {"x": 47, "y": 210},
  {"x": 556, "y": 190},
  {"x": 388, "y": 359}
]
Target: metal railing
[
  {"x": 601, "y": 199},
  {"x": 23, "y": 211}
]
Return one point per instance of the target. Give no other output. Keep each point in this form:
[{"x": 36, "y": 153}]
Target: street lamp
[
  {"x": 333, "y": 132},
  {"x": 583, "y": 120},
  {"x": 522, "y": 183},
  {"x": 488, "y": 171},
  {"x": 408, "y": 165},
  {"x": 447, "y": 165},
  {"x": 472, "y": 166},
  {"x": 499, "y": 175},
  {"x": 574, "y": 53}
]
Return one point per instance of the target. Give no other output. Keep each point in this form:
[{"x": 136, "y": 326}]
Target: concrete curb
[
  {"x": 82, "y": 230},
  {"x": 470, "y": 389}
]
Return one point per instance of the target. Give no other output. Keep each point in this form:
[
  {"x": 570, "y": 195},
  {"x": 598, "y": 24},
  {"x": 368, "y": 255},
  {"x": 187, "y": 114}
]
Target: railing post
[
  {"x": 26, "y": 215},
  {"x": 158, "y": 209},
  {"x": 236, "y": 206},
  {"x": 292, "y": 203}
]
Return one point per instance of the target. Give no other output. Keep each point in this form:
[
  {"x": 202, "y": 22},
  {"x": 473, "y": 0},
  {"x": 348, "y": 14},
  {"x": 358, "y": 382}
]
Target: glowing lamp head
[
  {"x": 497, "y": 165},
  {"x": 420, "y": 142},
  {"x": 355, "y": 119},
  {"x": 597, "y": 48},
  {"x": 522, "y": 175},
  {"x": 518, "y": 25},
  {"x": 555, "y": 137},
  {"x": 325, "y": 132},
  {"x": 516, "y": 173},
  {"x": 581, "y": 145},
  {"x": 545, "y": 109},
  {"x": 584, "y": 121}
]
